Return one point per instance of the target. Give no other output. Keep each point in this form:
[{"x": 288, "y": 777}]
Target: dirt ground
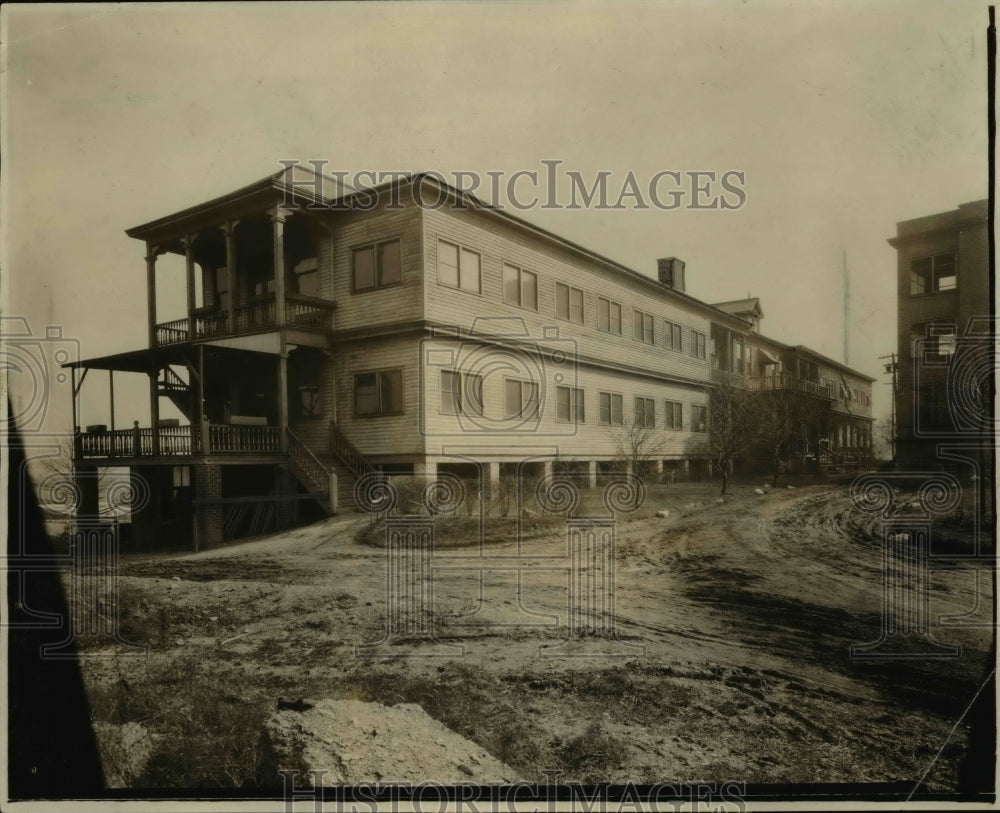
[{"x": 732, "y": 659}]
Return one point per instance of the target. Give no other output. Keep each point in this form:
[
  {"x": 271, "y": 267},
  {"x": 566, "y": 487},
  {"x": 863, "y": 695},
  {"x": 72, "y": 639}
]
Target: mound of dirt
[{"x": 355, "y": 742}]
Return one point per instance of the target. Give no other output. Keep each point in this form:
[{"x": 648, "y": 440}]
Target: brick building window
[{"x": 928, "y": 275}]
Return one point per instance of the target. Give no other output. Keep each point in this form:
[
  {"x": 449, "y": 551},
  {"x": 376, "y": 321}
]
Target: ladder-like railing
[
  {"x": 348, "y": 454},
  {"x": 310, "y": 466}
]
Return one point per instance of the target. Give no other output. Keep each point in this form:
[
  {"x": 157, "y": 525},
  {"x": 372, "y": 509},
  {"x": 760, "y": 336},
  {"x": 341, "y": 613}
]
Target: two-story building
[{"x": 332, "y": 332}]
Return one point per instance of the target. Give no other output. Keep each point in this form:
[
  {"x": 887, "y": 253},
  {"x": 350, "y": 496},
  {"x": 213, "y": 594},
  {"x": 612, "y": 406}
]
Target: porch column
[
  {"x": 230, "y": 231},
  {"x": 151, "y": 254},
  {"x": 154, "y": 411},
  {"x": 188, "y": 242},
  {"x": 592, "y": 473},
  {"x": 111, "y": 396},
  {"x": 547, "y": 468},
  {"x": 278, "y": 221},
  {"x": 283, "y": 398}
]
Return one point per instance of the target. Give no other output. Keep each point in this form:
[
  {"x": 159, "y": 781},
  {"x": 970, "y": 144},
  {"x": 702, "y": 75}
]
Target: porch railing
[
  {"x": 305, "y": 312},
  {"x": 178, "y": 441},
  {"x": 172, "y": 332},
  {"x": 174, "y": 441},
  {"x": 235, "y": 439},
  {"x": 348, "y": 454},
  {"x": 310, "y": 465},
  {"x": 786, "y": 381}
]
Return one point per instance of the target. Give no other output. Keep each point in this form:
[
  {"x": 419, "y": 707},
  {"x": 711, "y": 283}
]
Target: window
[
  {"x": 458, "y": 268},
  {"x": 306, "y": 276},
  {"x": 609, "y": 316},
  {"x": 674, "y": 415},
  {"x": 699, "y": 418},
  {"x": 699, "y": 344},
  {"x": 933, "y": 405},
  {"x": 642, "y": 327},
  {"x": 937, "y": 341},
  {"x": 672, "y": 334},
  {"x": 610, "y": 409},
  {"x": 520, "y": 399},
  {"x": 569, "y": 303},
  {"x": 459, "y": 400},
  {"x": 645, "y": 412},
  {"x": 928, "y": 275},
  {"x": 379, "y": 393},
  {"x": 520, "y": 287},
  {"x": 569, "y": 404},
  {"x": 375, "y": 266}
]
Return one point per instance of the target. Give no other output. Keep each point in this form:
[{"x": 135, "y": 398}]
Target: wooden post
[
  {"x": 188, "y": 242},
  {"x": 278, "y": 221},
  {"x": 154, "y": 411},
  {"x": 199, "y": 411},
  {"x": 283, "y": 397},
  {"x": 151, "y": 252},
  {"x": 111, "y": 399},
  {"x": 230, "y": 232}
]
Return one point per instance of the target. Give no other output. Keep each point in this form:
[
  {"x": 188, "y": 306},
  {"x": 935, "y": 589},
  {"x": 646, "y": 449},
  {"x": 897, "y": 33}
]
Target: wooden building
[{"x": 332, "y": 333}]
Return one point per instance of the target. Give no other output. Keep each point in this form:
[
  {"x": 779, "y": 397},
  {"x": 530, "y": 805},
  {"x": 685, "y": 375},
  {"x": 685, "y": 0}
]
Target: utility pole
[
  {"x": 892, "y": 366},
  {"x": 847, "y": 308}
]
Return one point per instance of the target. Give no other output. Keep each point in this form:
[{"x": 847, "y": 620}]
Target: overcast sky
[{"x": 845, "y": 118}]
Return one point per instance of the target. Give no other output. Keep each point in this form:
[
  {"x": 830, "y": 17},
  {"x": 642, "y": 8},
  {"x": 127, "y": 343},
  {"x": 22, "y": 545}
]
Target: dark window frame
[
  {"x": 376, "y": 248},
  {"x": 380, "y": 378}
]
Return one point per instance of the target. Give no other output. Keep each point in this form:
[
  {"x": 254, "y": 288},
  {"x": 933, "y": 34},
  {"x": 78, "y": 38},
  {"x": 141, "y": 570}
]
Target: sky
[{"x": 844, "y": 118}]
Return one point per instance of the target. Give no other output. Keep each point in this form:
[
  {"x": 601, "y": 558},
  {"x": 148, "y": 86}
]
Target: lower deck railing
[{"x": 178, "y": 441}]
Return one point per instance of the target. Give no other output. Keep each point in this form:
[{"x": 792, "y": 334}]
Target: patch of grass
[{"x": 591, "y": 753}]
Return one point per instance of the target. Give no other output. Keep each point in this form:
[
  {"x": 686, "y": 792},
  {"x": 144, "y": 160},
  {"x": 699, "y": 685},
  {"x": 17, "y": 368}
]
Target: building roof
[{"x": 738, "y": 306}]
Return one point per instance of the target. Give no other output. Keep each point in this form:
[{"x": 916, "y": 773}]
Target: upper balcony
[
  {"x": 245, "y": 263},
  {"x": 302, "y": 312},
  {"x": 792, "y": 383}
]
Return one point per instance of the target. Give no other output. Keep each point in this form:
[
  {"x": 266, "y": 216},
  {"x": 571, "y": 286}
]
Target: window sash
[
  {"x": 378, "y": 393},
  {"x": 674, "y": 419},
  {"x": 609, "y": 316},
  {"x": 569, "y": 404},
  {"x": 363, "y": 268},
  {"x": 609, "y": 409},
  {"x": 389, "y": 265},
  {"x": 520, "y": 399},
  {"x": 447, "y": 264},
  {"x": 569, "y": 303},
  {"x": 645, "y": 412},
  {"x": 451, "y": 392}
]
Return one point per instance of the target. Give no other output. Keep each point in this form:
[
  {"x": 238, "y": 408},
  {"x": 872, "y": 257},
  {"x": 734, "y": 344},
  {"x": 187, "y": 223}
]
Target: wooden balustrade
[
  {"x": 786, "y": 381},
  {"x": 179, "y": 441},
  {"x": 304, "y": 312}
]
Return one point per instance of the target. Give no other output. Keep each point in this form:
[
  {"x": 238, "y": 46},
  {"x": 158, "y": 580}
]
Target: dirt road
[{"x": 732, "y": 660}]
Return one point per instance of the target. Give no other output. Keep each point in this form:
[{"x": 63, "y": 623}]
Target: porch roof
[{"x": 145, "y": 361}]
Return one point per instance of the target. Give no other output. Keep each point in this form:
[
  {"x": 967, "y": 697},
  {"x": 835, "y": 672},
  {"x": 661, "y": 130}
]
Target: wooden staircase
[
  {"x": 172, "y": 386},
  {"x": 333, "y": 474}
]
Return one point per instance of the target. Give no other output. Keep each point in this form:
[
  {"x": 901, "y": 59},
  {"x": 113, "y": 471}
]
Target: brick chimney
[{"x": 671, "y": 272}]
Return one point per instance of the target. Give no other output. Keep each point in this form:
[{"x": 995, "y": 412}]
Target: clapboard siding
[
  {"x": 498, "y": 242},
  {"x": 586, "y": 440},
  {"x": 389, "y": 435},
  {"x": 352, "y": 230}
]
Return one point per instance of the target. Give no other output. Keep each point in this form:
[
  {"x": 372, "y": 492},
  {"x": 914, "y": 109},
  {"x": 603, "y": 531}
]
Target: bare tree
[
  {"x": 778, "y": 417},
  {"x": 731, "y": 413},
  {"x": 637, "y": 446}
]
